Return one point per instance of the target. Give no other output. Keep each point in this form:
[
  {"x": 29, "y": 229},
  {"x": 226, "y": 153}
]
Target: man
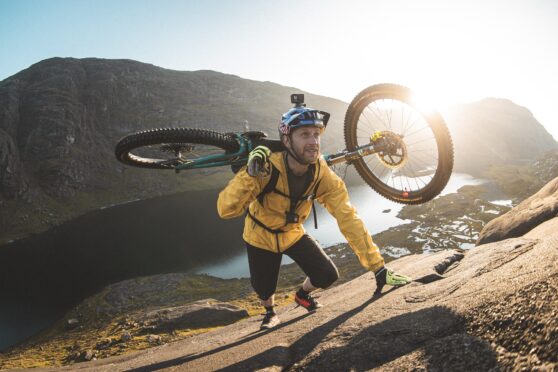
[{"x": 280, "y": 202}]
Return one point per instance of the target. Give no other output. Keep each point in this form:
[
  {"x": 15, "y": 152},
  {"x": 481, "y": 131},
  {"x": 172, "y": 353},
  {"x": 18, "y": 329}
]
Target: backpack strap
[
  {"x": 264, "y": 226},
  {"x": 291, "y": 216},
  {"x": 276, "y": 232},
  {"x": 270, "y": 186},
  {"x": 313, "y": 196}
]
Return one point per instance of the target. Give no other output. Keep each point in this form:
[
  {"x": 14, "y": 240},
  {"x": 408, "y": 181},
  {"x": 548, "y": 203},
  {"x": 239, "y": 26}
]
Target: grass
[{"x": 101, "y": 332}]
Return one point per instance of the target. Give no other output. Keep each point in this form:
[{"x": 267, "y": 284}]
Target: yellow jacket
[{"x": 241, "y": 193}]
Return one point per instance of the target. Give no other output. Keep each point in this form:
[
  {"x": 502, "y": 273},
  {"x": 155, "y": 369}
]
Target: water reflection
[
  {"x": 370, "y": 206},
  {"x": 52, "y": 271}
]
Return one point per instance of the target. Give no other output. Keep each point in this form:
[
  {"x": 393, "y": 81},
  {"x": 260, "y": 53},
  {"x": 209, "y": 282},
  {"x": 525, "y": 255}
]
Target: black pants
[{"x": 307, "y": 253}]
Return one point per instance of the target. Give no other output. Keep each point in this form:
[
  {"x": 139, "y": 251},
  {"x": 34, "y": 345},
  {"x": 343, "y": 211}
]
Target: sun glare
[{"x": 428, "y": 102}]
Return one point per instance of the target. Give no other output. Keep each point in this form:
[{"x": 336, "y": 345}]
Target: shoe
[
  {"x": 397, "y": 280},
  {"x": 386, "y": 276},
  {"x": 308, "y": 302},
  {"x": 270, "y": 320}
]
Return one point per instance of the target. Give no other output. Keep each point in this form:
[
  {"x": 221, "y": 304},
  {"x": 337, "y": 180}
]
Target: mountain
[
  {"x": 494, "y": 132},
  {"x": 60, "y": 120}
]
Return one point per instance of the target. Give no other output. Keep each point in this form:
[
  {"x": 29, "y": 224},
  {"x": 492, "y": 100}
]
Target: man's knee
[
  {"x": 263, "y": 290},
  {"x": 327, "y": 278}
]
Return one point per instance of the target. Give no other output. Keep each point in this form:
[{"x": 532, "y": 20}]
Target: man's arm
[
  {"x": 239, "y": 193},
  {"x": 336, "y": 200}
]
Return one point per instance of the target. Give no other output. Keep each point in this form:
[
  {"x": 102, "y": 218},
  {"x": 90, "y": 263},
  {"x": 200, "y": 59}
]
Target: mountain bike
[{"x": 402, "y": 151}]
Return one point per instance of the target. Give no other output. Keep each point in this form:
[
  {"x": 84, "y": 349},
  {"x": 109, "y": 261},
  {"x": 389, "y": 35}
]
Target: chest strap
[
  {"x": 264, "y": 226},
  {"x": 290, "y": 215},
  {"x": 276, "y": 232}
]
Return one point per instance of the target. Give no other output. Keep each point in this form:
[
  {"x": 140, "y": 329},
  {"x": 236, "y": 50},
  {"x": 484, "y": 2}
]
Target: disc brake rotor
[{"x": 393, "y": 153}]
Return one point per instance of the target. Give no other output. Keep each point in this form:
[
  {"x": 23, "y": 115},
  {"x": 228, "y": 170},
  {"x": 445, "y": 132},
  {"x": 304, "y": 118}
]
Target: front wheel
[
  {"x": 166, "y": 148},
  {"x": 415, "y": 157}
]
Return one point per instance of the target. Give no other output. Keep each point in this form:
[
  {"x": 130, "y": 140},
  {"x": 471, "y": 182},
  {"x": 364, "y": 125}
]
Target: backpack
[{"x": 291, "y": 216}]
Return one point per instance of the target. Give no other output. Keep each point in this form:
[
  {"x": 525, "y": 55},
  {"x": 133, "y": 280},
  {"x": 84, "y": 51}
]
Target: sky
[{"x": 448, "y": 51}]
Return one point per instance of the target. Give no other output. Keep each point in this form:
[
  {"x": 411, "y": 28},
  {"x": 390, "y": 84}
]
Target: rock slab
[
  {"x": 533, "y": 211},
  {"x": 199, "y": 314}
]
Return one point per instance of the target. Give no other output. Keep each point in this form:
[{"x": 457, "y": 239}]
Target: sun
[{"x": 430, "y": 100}]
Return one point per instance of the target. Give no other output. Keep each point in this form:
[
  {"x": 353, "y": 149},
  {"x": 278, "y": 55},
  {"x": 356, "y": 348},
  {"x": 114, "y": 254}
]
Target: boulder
[
  {"x": 530, "y": 213},
  {"x": 154, "y": 339},
  {"x": 104, "y": 343},
  {"x": 88, "y": 355},
  {"x": 126, "y": 336},
  {"x": 72, "y": 323},
  {"x": 199, "y": 314}
]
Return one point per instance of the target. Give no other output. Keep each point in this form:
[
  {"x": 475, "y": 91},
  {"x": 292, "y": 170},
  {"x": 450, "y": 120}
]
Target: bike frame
[{"x": 246, "y": 145}]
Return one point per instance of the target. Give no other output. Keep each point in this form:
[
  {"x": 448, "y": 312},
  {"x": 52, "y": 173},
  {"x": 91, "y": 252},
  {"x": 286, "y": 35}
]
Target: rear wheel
[
  {"x": 166, "y": 148},
  {"x": 415, "y": 160}
]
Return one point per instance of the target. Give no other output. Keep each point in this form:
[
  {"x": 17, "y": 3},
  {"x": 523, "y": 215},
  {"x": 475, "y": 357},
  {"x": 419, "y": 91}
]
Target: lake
[
  {"x": 44, "y": 275},
  {"x": 371, "y": 207}
]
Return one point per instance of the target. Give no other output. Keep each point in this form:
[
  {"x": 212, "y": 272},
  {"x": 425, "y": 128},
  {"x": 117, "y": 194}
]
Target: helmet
[{"x": 301, "y": 116}]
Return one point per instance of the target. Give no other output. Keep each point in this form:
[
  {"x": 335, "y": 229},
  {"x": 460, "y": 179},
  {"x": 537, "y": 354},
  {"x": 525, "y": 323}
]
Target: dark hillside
[{"x": 60, "y": 120}]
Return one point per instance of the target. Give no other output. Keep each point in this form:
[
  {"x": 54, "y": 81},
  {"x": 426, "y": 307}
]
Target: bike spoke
[
  {"x": 389, "y": 114},
  {"x": 422, "y": 140},
  {"x": 163, "y": 153},
  {"x": 417, "y": 131},
  {"x": 376, "y": 113},
  {"x": 406, "y": 122}
]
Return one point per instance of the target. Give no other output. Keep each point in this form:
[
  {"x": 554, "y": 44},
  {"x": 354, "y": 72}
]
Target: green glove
[
  {"x": 257, "y": 160},
  {"x": 386, "y": 276}
]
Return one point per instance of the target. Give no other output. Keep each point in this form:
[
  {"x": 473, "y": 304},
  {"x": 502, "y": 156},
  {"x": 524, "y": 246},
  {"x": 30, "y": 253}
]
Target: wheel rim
[{"x": 419, "y": 149}]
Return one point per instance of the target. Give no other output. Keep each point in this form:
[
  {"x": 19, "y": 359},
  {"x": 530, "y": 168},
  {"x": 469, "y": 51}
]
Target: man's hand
[
  {"x": 257, "y": 160},
  {"x": 386, "y": 276}
]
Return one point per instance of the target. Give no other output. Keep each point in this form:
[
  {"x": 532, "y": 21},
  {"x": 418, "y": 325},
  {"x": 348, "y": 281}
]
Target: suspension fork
[{"x": 348, "y": 156}]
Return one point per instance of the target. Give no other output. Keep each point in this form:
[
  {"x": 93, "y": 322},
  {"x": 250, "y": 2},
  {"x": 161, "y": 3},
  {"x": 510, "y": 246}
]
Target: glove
[
  {"x": 386, "y": 276},
  {"x": 257, "y": 161}
]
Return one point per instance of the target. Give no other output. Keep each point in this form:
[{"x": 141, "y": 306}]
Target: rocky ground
[
  {"x": 522, "y": 328},
  {"x": 452, "y": 221},
  {"x": 127, "y": 316},
  {"x": 493, "y": 307},
  {"x": 114, "y": 321}
]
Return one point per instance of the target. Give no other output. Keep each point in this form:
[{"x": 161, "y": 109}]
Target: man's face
[{"x": 305, "y": 143}]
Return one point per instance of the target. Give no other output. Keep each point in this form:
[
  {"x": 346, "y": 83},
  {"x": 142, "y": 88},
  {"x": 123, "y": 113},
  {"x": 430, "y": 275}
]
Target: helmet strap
[
  {"x": 294, "y": 156},
  {"x": 291, "y": 153}
]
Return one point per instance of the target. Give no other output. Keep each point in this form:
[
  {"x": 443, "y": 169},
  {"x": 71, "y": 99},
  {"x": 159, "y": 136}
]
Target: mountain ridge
[
  {"x": 60, "y": 119},
  {"x": 53, "y": 114},
  {"x": 496, "y": 131}
]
